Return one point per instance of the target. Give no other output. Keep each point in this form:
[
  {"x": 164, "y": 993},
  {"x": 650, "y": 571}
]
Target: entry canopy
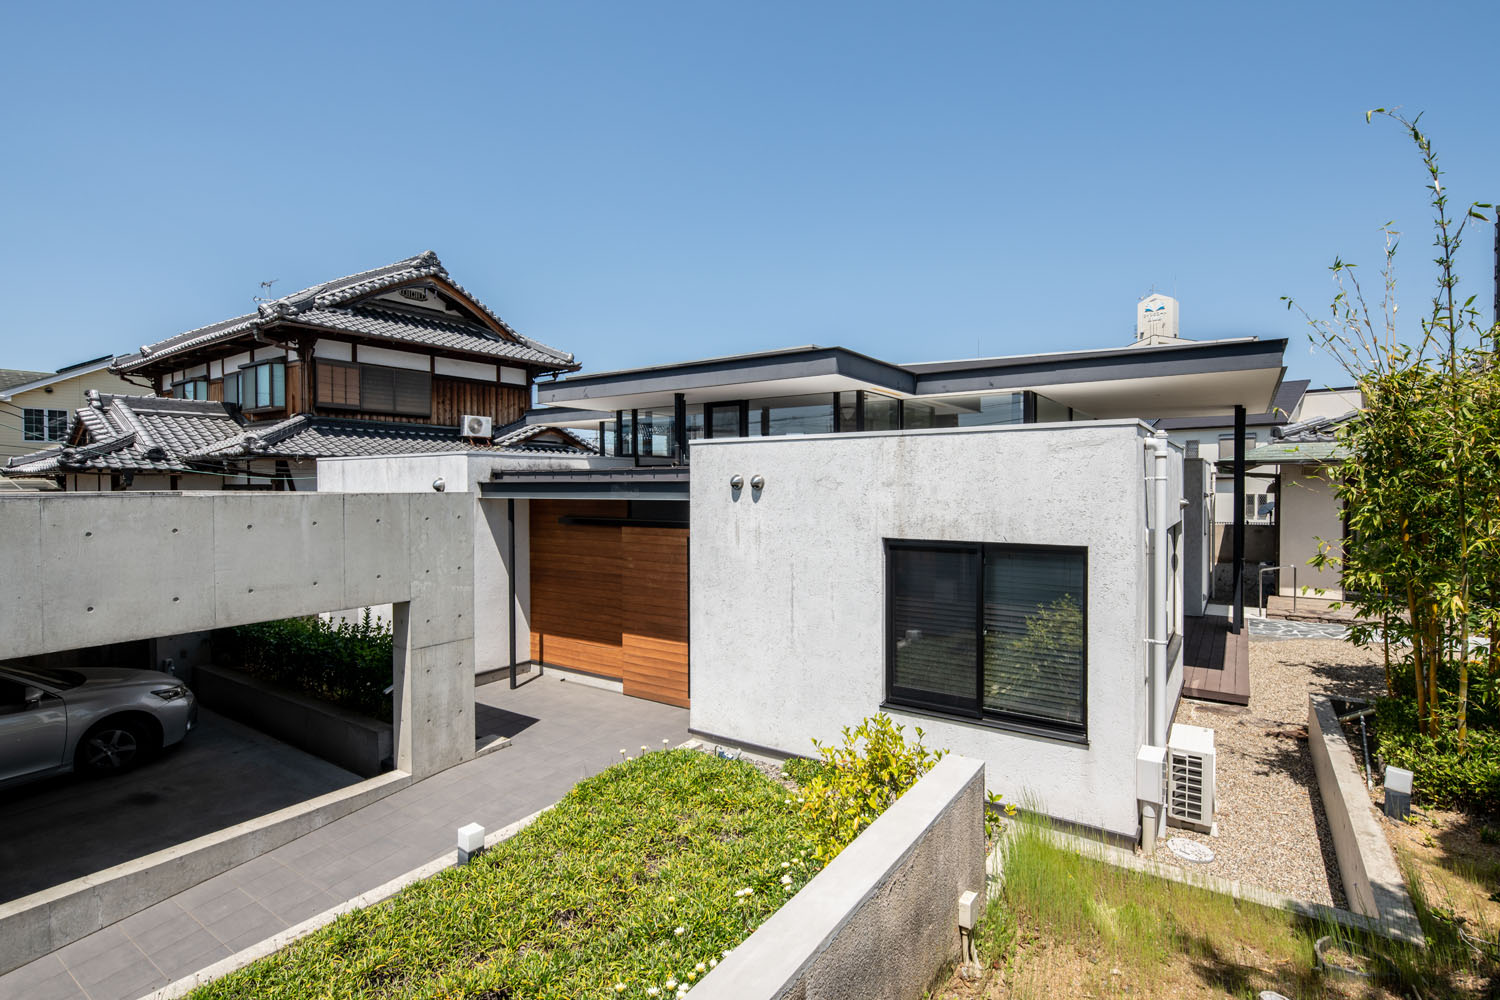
[{"x": 1207, "y": 378}]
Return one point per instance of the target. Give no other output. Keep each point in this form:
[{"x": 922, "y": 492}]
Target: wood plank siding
[
  {"x": 610, "y": 600},
  {"x": 451, "y": 399}
]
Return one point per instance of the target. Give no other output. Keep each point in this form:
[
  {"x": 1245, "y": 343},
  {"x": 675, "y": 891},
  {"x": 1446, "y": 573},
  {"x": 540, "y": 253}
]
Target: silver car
[{"x": 101, "y": 720}]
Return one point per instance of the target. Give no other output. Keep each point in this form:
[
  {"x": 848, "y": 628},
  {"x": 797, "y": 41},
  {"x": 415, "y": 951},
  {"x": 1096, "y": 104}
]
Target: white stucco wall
[
  {"x": 788, "y": 587},
  {"x": 1309, "y": 511}
]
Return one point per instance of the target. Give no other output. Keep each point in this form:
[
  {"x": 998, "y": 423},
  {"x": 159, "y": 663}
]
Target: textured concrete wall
[
  {"x": 1372, "y": 880},
  {"x": 788, "y": 587},
  {"x": 882, "y": 919},
  {"x": 174, "y": 564}
]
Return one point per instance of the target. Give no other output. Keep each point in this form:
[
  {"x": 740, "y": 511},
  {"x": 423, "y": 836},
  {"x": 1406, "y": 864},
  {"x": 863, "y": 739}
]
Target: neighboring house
[
  {"x": 36, "y": 408},
  {"x": 1306, "y": 456},
  {"x": 399, "y": 359},
  {"x": 791, "y": 540}
]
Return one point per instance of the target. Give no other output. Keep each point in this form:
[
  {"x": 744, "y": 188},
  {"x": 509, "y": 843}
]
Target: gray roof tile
[{"x": 320, "y": 305}]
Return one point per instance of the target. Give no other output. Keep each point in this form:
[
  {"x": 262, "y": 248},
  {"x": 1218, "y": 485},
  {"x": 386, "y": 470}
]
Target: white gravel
[{"x": 1271, "y": 828}]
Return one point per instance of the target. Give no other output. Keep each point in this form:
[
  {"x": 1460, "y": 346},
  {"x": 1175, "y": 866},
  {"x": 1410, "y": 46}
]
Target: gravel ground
[{"x": 1271, "y": 828}]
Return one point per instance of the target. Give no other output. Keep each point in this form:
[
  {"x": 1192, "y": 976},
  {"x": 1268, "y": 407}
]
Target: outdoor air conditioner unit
[
  {"x": 1190, "y": 777},
  {"x": 475, "y": 426}
]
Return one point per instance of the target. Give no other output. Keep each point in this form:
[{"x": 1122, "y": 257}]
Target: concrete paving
[
  {"x": 177, "y": 797},
  {"x": 561, "y": 731}
]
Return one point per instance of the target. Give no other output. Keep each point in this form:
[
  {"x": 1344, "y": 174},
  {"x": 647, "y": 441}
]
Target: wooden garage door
[
  {"x": 610, "y": 600},
  {"x": 655, "y": 636}
]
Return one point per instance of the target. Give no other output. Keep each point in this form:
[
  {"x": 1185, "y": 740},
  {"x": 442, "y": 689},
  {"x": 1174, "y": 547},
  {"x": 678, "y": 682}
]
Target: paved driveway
[
  {"x": 223, "y": 773},
  {"x": 561, "y": 732}
]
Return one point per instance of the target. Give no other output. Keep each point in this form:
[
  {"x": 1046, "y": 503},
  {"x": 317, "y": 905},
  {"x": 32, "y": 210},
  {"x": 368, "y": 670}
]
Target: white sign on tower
[{"x": 1156, "y": 319}]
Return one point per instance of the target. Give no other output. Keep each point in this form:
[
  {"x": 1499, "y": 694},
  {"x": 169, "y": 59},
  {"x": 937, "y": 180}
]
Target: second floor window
[
  {"x": 191, "y": 389},
  {"x": 262, "y": 386},
  {"x": 45, "y": 425}
]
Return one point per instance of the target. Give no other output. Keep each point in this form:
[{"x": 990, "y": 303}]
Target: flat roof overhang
[
  {"x": 647, "y": 483},
  {"x": 793, "y": 372},
  {"x": 1201, "y": 379}
]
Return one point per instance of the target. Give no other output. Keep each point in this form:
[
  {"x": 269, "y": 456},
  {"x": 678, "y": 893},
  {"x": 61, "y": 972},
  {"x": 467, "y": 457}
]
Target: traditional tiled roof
[
  {"x": 1306, "y": 442},
  {"x": 306, "y": 436},
  {"x": 133, "y": 434},
  {"x": 322, "y": 306},
  {"x": 150, "y": 434}
]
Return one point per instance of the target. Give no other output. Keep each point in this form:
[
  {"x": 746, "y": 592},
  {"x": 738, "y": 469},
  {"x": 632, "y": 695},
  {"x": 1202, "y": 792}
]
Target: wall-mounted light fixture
[
  {"x": 736, "y": 482},
  {"x": 757, "y": 482},
  {"x": 439, "y": 484}
]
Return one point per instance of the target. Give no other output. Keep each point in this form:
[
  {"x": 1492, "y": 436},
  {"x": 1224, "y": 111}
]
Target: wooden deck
[{"x": 1217, "y": 661}]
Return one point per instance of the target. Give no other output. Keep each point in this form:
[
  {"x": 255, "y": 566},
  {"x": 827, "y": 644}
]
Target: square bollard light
[
  {"x": 470, "y": 842},
  {"x": 1397, "y": 792}
]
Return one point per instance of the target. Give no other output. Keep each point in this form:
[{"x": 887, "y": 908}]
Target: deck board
[{"x": 1216, "y": 662}]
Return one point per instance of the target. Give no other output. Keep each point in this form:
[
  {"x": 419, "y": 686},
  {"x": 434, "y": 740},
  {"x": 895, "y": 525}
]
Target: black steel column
[
  {"x": 679, "y": 426},
  {"x": 1238, "y": 621}
]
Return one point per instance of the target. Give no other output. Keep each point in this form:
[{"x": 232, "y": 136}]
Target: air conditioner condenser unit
[
  {"x": 1190, "y": 777},
  {"x": 475, "y": 426}
]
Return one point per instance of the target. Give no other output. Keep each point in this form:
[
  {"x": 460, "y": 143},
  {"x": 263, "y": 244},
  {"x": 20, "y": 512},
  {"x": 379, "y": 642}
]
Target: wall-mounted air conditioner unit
[
  {"x": 1190, "y": 777},
  {"x": 475, "y": 426}
]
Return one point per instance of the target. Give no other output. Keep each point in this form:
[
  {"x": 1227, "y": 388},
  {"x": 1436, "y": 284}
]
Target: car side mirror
[{"x": 32, "y": 695}]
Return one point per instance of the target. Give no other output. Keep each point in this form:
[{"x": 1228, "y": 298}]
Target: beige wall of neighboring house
[
  {"x": 66, "y": 393},
  {"x": 1309, "y": 511}
]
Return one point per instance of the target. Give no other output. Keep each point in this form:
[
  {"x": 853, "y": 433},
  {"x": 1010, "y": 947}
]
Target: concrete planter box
[
  {"x": 1372, "y": 880},
  {"x": 353, "y": 742},
  {"x": 882, "y": 919}
]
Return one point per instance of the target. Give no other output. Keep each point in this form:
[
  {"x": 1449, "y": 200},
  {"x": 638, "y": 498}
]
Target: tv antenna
[{"x": 265, "y": 287}]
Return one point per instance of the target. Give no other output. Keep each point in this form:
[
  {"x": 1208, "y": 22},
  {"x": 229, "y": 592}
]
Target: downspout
[{"x": 1150, "y": 779}]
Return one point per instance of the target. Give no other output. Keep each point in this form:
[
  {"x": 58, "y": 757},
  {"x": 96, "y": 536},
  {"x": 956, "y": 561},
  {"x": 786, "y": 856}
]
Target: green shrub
[
  {"x": 854, "y": 782},
  {"x": 802, "y": 770},
  {"x": 347, "y": 664},
  {"x": 1442, "y": 775}
]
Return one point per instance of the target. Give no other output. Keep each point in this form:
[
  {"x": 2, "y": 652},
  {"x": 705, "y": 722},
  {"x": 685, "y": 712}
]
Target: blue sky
[{"x": 647, "y": 182}]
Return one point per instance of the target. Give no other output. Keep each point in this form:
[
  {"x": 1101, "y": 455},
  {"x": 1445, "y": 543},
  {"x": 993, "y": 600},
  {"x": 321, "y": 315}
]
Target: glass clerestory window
[{"x": 985, "y": 631}]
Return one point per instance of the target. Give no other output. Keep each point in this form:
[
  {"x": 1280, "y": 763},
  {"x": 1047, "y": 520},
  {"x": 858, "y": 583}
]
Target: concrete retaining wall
[
  {"x": 882, "y": 919},
  {"x": 1372, "y": 880},
  {"x": 351, "y": 741},
  {"x": 35, "y": 925}
]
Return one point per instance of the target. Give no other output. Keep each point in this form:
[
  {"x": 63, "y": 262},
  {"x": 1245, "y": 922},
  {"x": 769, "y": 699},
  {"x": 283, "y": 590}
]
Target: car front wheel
[{"x": 112, "y": 747}]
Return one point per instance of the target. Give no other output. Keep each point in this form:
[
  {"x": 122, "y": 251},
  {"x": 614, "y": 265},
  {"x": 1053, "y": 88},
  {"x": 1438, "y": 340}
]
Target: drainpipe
[{"x": 1150, "y": 761}]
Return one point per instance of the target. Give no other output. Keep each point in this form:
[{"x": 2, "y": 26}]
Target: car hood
[{"x": 101, "y": 677}]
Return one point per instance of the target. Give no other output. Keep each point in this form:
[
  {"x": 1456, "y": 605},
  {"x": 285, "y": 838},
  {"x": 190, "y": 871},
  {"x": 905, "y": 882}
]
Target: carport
[{"x": 96, "y": 568}]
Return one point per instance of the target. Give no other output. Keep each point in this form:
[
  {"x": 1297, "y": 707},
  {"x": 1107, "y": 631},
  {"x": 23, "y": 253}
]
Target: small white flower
[
  {"x": 644, "y": 748},
  {"x": 700, "y": 967},
  {"x": 694, "y": 975},
  {"x": 786, "y": 880},
  {"x": 786, "y": 864},
  {"x": 713, "y": 963},
  {"x": 622, "y": 751},
  {"x": 671, "y": 984},
  {"x": 665, "y": 742},
  {"x": 619, "y": 987},
  {"x": 726, "y": 952},
  {"x": 671, "y": 899},
  {"x": 652, "y": 991},
  {"x": 679, "y": 931}
]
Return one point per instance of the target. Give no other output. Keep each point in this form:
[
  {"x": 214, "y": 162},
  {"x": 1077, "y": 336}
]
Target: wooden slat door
[
  {"x": 576, "y": 570},
  {"x": 654, "y": 591}
]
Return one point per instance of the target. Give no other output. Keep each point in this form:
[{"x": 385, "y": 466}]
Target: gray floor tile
[
  {"x": 44, "y": 979},
  {"x": 190, "y": 954}
]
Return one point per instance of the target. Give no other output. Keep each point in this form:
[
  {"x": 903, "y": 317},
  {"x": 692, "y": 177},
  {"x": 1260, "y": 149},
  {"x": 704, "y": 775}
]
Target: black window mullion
[{"x": 980, "y": 630}]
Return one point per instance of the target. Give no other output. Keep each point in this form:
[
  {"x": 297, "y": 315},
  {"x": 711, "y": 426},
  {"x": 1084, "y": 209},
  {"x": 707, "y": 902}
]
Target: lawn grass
[
  {"x": 636, "y": 877},
  {"x": 1068, "y": 924}
]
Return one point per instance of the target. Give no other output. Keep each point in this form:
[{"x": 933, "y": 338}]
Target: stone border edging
[
  {"x": 1372, "y": 880},
  {"x": 276, "y": 942},
  {"x": 882, "y": 918}
]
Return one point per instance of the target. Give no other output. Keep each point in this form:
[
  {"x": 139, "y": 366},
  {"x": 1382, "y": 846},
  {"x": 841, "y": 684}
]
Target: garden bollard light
[
  {"x": 1397, "y": 792},
  {"x": 470, "y": 842}
]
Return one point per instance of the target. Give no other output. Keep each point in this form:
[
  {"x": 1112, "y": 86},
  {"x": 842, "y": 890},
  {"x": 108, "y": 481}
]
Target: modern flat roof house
[
  {"x": 395, "y": 360},
  {"x": 790, "y": 540}
]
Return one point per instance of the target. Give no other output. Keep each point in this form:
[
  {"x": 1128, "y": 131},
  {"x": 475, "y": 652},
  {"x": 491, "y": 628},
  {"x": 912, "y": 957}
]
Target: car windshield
[{"x": 59, "y": 679}]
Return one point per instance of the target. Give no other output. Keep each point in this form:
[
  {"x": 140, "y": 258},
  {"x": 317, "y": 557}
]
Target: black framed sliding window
[{"x": 989, "y": 632}]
